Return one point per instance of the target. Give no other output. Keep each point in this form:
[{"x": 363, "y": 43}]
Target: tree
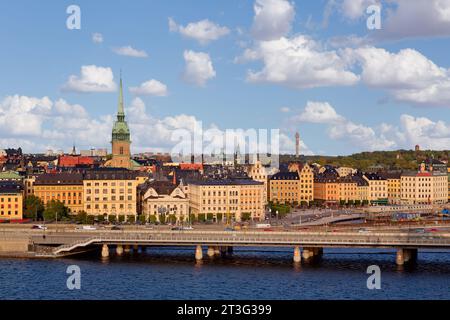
[
  {"x": 342, "y": 203},
  {"x": 112, "y": 218},
  {"x": 152, "y": 218},
  {"x": 201, "y": 217},
  {"x": 131, "y": 219},
  {"x": 81, "y": 217},
  {"x": 246, "y": 216},
  {"x": 142, "y": 219},
  {"x": 121, "y": 218},
  {"x": 210, "y": 216},
  {"x": 219, "y": 217},
  {"x": 33, "y": 207},
  {"x": 192, "y": 217},
  {"x": 55, "y": 209},
  {"x": 90, "y": 219},
  {"x": 162, "y": 218},
  {"x": 172, "y": 218}
]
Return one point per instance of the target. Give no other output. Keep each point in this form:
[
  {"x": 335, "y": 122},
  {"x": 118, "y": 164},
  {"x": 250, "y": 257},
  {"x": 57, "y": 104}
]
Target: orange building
[
  {"x": 65, "y": 187},
  {"x": 11, "y": 200},
  {"x": 75, "y": 161}
]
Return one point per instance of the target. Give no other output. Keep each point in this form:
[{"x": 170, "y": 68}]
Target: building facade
[
  {"x": 227, "y": 199},
  {"x": 11, "y": 200},
  {"x": 424, "y": 187},
  {"x": 64, "y": 187},
  {"x": 162, "y": 198},
  {"x": 111, "y": 192}
]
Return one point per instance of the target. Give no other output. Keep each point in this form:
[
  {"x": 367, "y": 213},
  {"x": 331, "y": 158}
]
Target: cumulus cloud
[
  {"x": 319, "y": 112},
  {"x": 203, "y": 31},
  {"x": 97, "y": 38},
  {"x": 198, "y": 69},
  {"x": 285, "y": 109},
  {"x": 409, "y": 132},
  {"x": 273, "y": 19},
  {"x": 300, "y": 63},
  {"x": 355, "y": 9},
  {"x": 408, "y": 75},
  {"x": 152, "y": 87},
  {"x": 92, "y": 79},
  {"x": 130, "y": 52},
  {"x": 418, "y": 18},
  {"x": 340, "y": 128}
]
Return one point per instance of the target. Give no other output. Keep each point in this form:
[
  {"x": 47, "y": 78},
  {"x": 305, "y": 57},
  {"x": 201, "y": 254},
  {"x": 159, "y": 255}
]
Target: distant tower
[
  {"x": 74, "y": 150},
  {"x": 297, "y": 144},
  {"x": 121, "y": 155}
]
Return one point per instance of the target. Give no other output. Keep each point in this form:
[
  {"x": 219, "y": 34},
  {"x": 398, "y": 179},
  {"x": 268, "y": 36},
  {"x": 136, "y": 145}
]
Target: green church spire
[
  {"x": 120, "y": 112},
  {"x": 120, "y": 131}
]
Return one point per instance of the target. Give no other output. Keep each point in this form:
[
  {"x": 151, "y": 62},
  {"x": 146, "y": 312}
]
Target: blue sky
[{"x": 382, "y": 89}]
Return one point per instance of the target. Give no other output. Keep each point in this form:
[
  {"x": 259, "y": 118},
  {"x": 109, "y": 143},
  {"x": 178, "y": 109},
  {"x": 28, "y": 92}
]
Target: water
[{"x": 172, "y": 273}]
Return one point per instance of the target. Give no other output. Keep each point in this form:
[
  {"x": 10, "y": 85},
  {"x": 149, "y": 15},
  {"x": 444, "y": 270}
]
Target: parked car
[
  {"x": 116, "y": 228},
  {"x": 39, "y": 227}
]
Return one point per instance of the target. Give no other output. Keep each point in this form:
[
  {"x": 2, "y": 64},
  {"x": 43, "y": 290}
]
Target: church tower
[{"x": 121, "y": 155}]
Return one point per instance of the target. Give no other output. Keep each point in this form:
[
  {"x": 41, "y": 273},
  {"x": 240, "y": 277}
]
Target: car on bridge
[{"x": 39, "y": 227}]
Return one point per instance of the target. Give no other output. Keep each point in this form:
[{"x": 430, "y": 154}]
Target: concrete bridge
[{"x": 306, "y": 245}]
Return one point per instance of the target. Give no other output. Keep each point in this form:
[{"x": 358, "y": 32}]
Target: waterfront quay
[{"x": 306, "y": 245}]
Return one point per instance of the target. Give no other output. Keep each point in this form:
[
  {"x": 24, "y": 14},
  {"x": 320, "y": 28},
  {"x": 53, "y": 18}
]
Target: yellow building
[
  {"x": 65, "y": 187},
  {"x": 378, "y": 188},
  {"x": 294, "y": 187},
  {"x": 233, "y": 198},
  {"x": 112, "y": 192},
  {"x": 258, "y": 173},
  {"x": 424, "y": 187},
  {"x": 393, "y": 187},
  {"x": 11, "y": 200}
]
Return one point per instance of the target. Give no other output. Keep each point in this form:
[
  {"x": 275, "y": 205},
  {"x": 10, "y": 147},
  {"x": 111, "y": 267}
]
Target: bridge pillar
[
  {"x": 119, "y": 249},
  {"x": 410, "y": 255},
  {"x": 400, "y": 259},
  {"x": 105, "y": 251},
  {"x": 198, "y": 253},
  {"x": 308, "y": 253},
  {"x": 297, "y": 256},
  {"x": 216, "y": 251},
  {"x": 223, "y": 251},
  {"x": 210, "y": 251},
  {"x": 230, "y": 250}
]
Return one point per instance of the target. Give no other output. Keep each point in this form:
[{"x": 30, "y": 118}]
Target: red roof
[
  {"x": 191, "y": 166},
  {"x": 73, "y": 161}
]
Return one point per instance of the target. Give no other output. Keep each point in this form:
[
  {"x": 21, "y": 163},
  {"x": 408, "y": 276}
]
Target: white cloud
[
  {"x": 203, "y": 31},
  {"x": 355, "y": 9},
  {"x": 319, "y": 112},
  {"x": 408, "y": 75},
  {"x": 152, "y": 87},
  {"x": 199, "y": 68},
  {"x": 285, "y": 109},
  {"x": 97, "y": 38},
  {"x": 418, "y": 18},
  {"x": 92, "y": 79},
  {"x": 300, "y": 63},
  {"x": 130, "y": 52},
  {"x": 273, "y": 19},
  {"x": 340, "y": 128}
]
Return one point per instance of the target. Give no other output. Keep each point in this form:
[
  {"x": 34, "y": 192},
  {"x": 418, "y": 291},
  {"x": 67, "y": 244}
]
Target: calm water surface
[{"x": 172, "y": 273}]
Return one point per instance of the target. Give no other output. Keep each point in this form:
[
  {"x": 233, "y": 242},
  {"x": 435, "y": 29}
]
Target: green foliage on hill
[{"x": 391, "y": 160}]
